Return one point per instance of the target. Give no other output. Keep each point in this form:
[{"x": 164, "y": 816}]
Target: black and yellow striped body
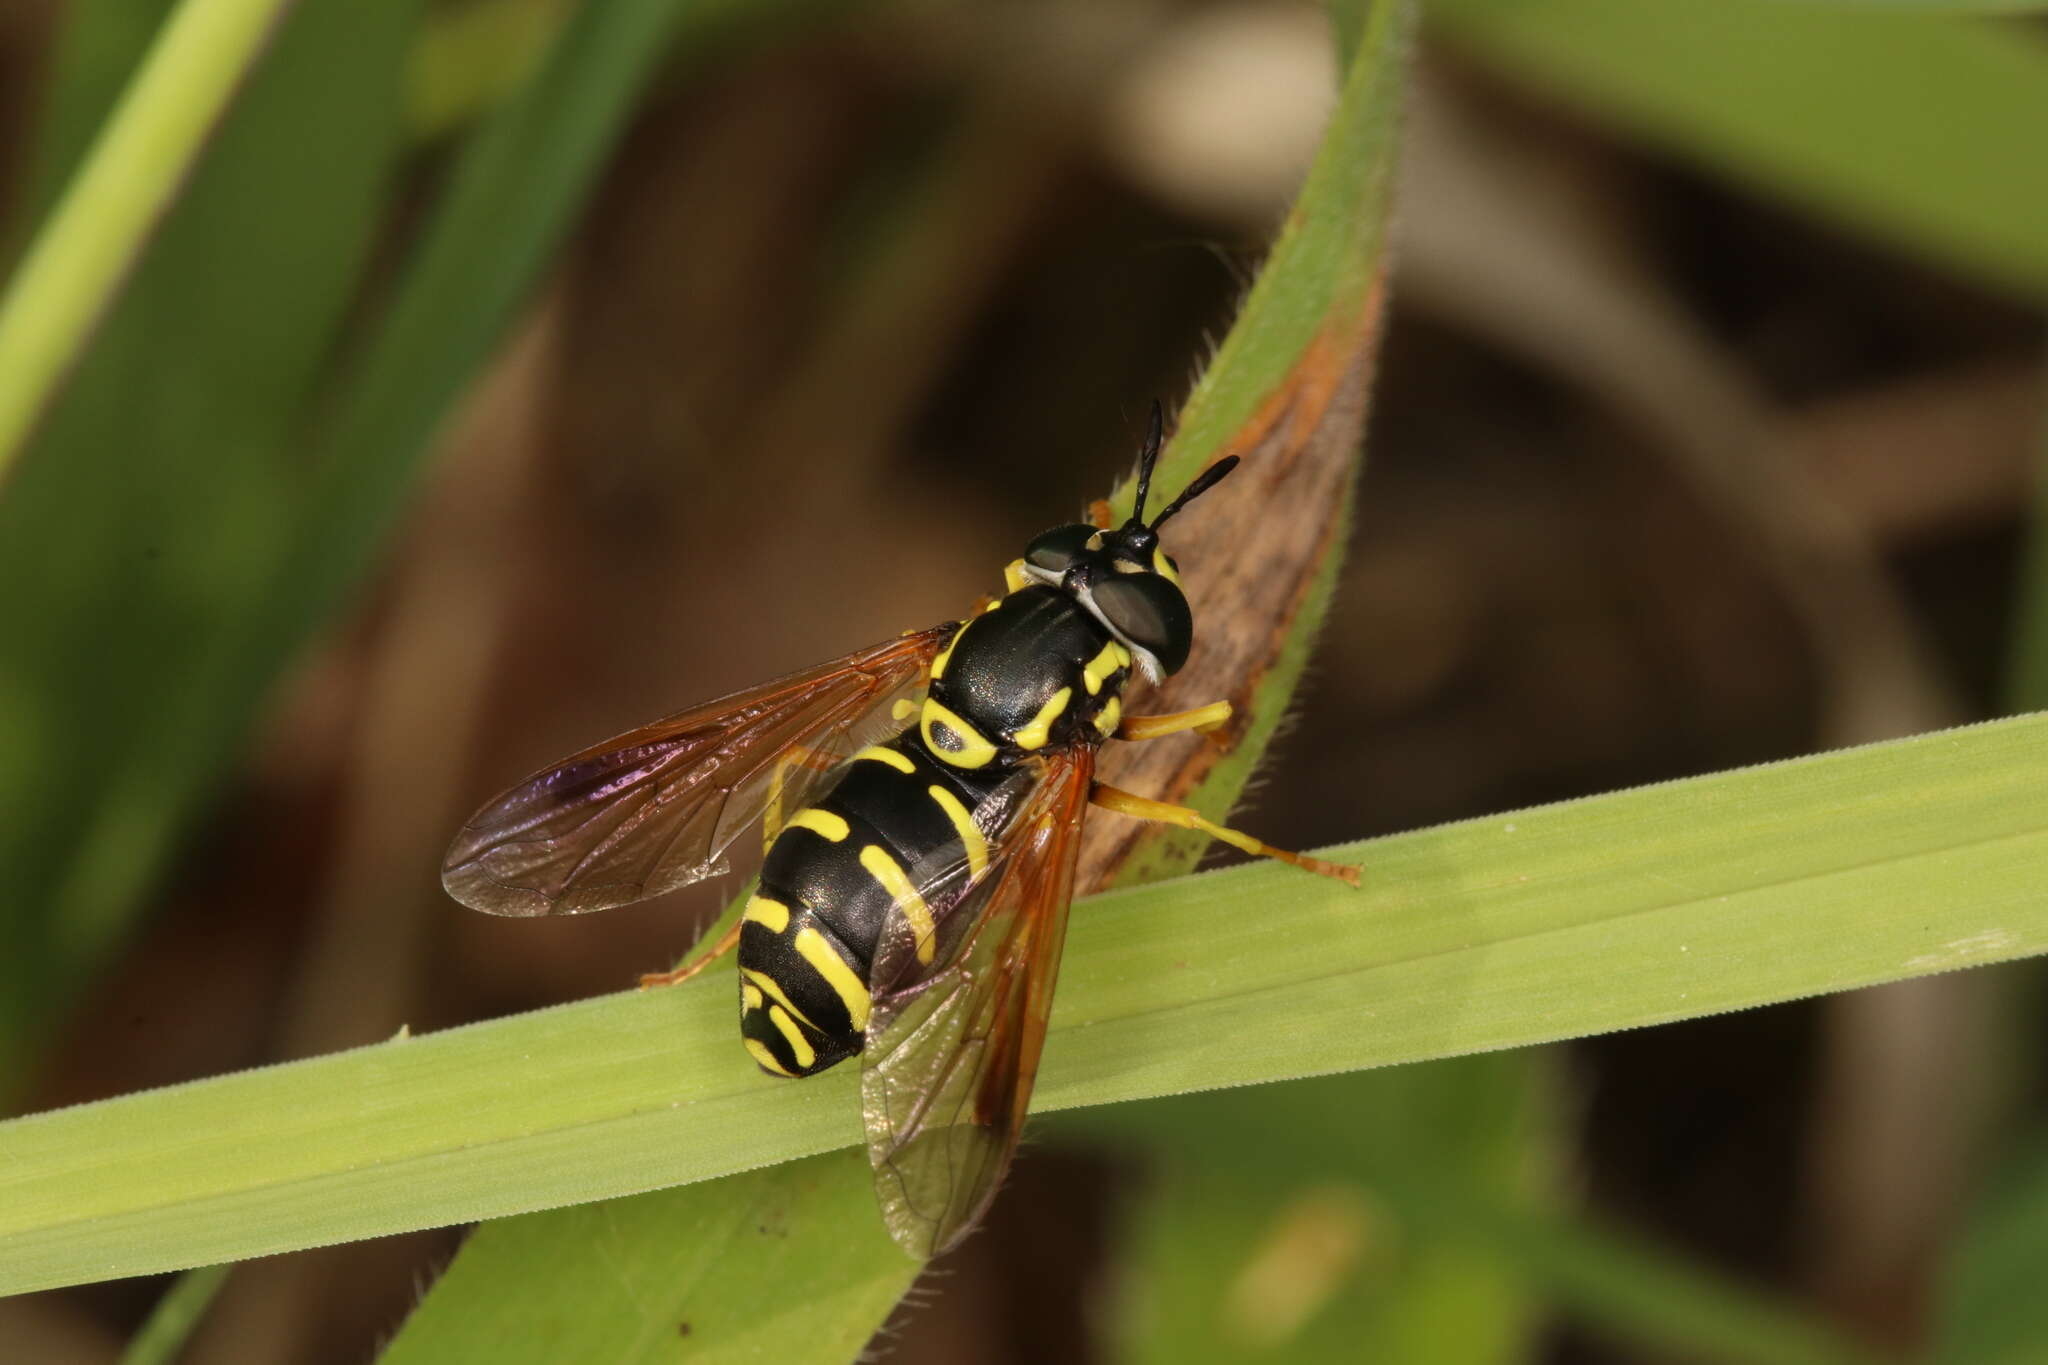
[{"x": 904, "y": 828}]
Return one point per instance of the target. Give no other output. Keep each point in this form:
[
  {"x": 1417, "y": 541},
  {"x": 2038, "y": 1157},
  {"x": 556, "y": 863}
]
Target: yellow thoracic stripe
[
  {"x": 766, "y": 1058},
  {"x": 813, "y": 948},
  {"x": 799, "y": 1046},
  {"x": 1112, "y": 657},
  {"x": 963, "y": 822},
  {"x": 1035, "y": 734},
  {"x": 1110, "y": 717},
  {"x": 750, "y": 997},
  {"x": 820, "y": 822},
  {"x": 890, "y": 874},
  {"x": 945, "y": 656},
  {"x": 772, "y": 915},
  {"x": 766, "y": 984},
  {"x": 878, "y": 754},
  {"x": 974, "y": 750}
]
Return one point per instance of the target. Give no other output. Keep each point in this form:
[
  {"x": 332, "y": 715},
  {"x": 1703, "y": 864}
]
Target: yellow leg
[
  {"x": 1144, "y": 808},
  {"x": 689, "y": 969},
  {"x": 1208, "y": 719}
]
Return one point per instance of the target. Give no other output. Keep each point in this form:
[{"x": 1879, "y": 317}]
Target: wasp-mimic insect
[{"x": 922, "y": 803}]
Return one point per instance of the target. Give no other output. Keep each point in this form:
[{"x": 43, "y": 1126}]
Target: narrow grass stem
[{"x": 97, "y": 232}]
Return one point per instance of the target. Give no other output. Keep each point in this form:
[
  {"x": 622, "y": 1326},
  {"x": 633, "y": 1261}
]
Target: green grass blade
[
  {"x": 68, "y": 279},
  {"x": 1922, "y": 130},
  {"x": 98, "y": 48},
  {"x": 1939, "y": 6},
  {"x": 1314, "y": 310},
  {"x": 169, "y": 1326},
  {"x": 510, "y": 202},
  {"x": 1668, "y": 902}
]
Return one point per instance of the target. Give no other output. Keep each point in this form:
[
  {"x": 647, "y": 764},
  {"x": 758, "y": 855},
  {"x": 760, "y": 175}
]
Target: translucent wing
[
  {"x": 953, "y": 1045},
  {"x": 652, "y": 810}
]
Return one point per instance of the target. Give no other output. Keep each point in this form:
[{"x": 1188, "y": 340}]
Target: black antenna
[
  {"x": 1155, "y": 434},
  {"x": 1204, "y": 481}
]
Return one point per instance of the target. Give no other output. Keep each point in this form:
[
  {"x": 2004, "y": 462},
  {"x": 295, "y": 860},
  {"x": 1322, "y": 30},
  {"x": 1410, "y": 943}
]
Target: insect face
[
  {"x": 1127, "y": 582},
  {"x": 1124, "y": 577}
]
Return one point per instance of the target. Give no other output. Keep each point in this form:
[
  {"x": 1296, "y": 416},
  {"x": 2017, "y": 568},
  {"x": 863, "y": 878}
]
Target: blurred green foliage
[
  {"x": 219, "y": 475},
  {"x": 1992, "y": 1311},
  {"x": 1914, "y": 128},
  {"x": 150, "y": 519}
]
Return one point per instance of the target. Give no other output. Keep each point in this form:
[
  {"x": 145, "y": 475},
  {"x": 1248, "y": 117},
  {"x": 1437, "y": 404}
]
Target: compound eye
[
  {"x": 1055, "y": 550},
  {"x": 1151, "y": 613}
]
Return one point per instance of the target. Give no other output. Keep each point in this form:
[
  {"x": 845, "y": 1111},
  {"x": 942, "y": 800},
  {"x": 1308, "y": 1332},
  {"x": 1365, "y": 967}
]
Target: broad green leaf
[
  {"x": 157, "y": 496},
  {"x": 1628, "y": 1291},
  {"x": 728, "y": 1269},
  {"x": 1281, "y": 1219},
  {"x": 1667, "y": 902},
  {"x": 1300, "y": 349},
  {"x": 1444, "y": 1172},
  {"x": 1922, "y": 130}
]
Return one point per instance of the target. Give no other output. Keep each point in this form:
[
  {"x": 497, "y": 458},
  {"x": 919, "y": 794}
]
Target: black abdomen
[{"x": 895, "y": 828}]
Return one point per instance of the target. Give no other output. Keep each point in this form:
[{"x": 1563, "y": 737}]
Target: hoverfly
[{"x": 922, "y": 802}]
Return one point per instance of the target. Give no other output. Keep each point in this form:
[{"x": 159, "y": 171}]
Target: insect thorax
[{"x": 1035, "y": 672}]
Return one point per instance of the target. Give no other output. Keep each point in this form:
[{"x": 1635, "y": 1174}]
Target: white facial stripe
[{"x": 1146, "y": 662}]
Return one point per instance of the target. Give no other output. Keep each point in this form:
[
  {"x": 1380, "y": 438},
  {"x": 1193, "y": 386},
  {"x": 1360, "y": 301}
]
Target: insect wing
[
  {"x": 652, "y": 810},
  {"x": 953, "y": 1045}
]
